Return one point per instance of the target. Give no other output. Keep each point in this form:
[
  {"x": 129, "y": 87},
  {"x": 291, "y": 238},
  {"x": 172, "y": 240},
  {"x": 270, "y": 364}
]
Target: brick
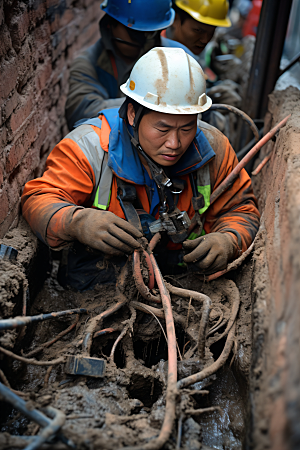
[
  {"x": 5, "y": 42},
  {"x": 89, "y": 36},
  {"x": 29, "y": 163},
  {"x": 13, "y": 191},
  {"x": 25, "y": 62},
  {"x": 11, "y": 219},
  {"x": 59, "y": 43},
  {"x": 22, "y": 113},
  {"x": 89, "y": 16},
  {"x": 19, "y": 27},
  {"x": 55, "y": 93},
  {"x": 4, "y": 205},
  {"x": 37, "y": 10},
  {"x": 43, "y": 74},
  {"x": 10, "y": 104},
  {"x": 54, "y": 13},
  {"x": 41, "y": 39},
  {"x": 67, "y": 17},
  {"x": 58, "y": 68},
  {"x": 9, "y": 76},
  {"x": 1, "y": 176},
  {"x": 3, "y": 136},
  {"x": 28, "y": 136},
  {"x": 42, "y": 137},
  {"x": 14, "y": 156}
]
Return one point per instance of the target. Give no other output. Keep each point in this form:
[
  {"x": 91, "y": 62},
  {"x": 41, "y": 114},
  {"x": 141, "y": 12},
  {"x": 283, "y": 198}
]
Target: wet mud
[{"x": 126, "y": 407}]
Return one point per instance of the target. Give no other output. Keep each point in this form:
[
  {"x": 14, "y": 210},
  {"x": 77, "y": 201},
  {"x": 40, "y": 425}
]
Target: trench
[
  {"x": 126, "y": 407},
  {"x": 135, "y": 384}
]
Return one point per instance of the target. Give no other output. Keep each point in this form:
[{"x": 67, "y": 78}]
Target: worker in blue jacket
[{"x": 129, "y": 29}]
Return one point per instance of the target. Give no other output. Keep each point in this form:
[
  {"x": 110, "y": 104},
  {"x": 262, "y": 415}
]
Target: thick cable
[
  {"x": 205, "y": 312},
  {"x": 240, "y": 113},
  {"x": 236, "y": 171},
  {"x": 139, "y": 282}
]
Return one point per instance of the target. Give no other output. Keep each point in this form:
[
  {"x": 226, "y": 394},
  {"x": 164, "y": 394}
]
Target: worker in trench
[
  {"x": 147, "y": 161},
  {"x": 128, "y": 30}
]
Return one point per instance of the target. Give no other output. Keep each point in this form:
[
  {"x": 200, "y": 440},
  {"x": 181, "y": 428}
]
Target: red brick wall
[{"x": 38, "y": 40}]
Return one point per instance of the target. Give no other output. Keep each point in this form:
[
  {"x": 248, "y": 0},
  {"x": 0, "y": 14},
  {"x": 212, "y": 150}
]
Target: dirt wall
[
  {"x": 276, "y": 286},
  {"x": 39, "y": 39}
]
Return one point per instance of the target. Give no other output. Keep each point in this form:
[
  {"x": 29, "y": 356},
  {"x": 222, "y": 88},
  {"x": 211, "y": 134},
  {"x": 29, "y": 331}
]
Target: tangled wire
[{"x": 144, "y": 267}]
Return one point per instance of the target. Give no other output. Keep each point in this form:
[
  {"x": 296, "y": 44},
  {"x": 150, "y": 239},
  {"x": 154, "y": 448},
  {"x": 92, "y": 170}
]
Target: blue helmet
[{"x": 142, "y": 15}]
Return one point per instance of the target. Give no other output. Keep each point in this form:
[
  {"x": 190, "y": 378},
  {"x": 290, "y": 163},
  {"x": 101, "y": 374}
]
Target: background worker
[
  {"x": 195, "y": 22},
  {"x": 77, "y": 204},
  {"x": 128, "y": 30},
  {"x": 194, "y": 26}
]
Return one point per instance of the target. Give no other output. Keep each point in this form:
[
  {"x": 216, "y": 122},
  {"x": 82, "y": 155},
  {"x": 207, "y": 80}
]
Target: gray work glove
[
  {"x": 226, "y": 92},
  {"x": 212, "y": 252},
  {"x": 102, "y": 230}
]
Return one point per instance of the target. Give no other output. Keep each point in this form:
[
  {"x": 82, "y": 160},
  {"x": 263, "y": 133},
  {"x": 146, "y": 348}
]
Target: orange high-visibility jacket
[{"x": 82, "y": 169}]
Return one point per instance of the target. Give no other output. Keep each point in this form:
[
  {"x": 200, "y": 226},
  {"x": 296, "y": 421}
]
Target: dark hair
[
  {"x": 182, "y": 14},
  {"x": 136, "y": 105}
]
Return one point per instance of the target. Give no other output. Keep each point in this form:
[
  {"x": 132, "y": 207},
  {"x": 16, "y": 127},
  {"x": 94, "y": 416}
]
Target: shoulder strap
[
  {"x": 203, "y": 186},
  {"x": 103, "y": 189}
]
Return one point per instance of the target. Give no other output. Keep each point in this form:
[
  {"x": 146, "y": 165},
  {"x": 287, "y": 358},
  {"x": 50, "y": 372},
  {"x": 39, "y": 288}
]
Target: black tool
[{"x": 7, "y": 252}]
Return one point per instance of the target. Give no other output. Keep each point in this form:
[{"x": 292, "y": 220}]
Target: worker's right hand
[{"x": 104, "y": 231}]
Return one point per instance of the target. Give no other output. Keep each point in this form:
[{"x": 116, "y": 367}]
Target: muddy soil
[{"x": 126, "y": 407}]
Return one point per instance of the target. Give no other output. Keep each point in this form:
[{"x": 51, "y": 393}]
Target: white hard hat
[{"x": 168, "y": 80}]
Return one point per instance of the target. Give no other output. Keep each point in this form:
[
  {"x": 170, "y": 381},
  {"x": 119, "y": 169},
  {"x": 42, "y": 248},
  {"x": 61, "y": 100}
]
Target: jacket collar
[{"x": 124, "y": 160}]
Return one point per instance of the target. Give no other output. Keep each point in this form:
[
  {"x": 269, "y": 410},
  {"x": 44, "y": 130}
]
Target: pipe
[
  {"x": 274, "y": 57},
  {"x": 151, "y": 282},
  {"x": 267, "y": 53},
  {"x": 87, "y": 342},
  {"x": 138, "y": 278},
  {"x": 208, "y": 371},
  {"x": 154, "y": 241},
  {"x": 58, "y": 420},
  {"x": 235, "y": 173},
  {"x": 205, "y": 312},
  {"x": 32, "y": 361},
  {"x": 32, "y": 414},
  {"x": 239, "y": 113},
  {"x": 9, "y": 324},
  {"x": 262, "y": 164},
  {"x": 169, "y": 418},
  {"x": 48, "y": 343},
  {"x": 105, "y": 331}
]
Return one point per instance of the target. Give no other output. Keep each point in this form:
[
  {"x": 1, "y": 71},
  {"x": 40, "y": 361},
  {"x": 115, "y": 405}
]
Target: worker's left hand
[{"x": 211, "y": 252}]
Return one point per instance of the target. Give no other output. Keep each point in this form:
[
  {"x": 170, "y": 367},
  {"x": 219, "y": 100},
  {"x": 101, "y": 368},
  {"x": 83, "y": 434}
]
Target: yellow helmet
[{"x": 211, "y": 12}]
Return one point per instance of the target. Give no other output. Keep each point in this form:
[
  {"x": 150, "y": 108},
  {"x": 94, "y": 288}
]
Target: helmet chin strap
[{"x": 163, "y": 182}]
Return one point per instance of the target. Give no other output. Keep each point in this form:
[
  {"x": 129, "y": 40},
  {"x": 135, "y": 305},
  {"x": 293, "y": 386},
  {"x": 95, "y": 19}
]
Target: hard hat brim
[
  {"x": 164, "y": 108},
  {"x": 226, "y": 23}
]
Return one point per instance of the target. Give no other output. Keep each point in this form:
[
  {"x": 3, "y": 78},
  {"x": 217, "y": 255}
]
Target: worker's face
[
  {"x": 130, "y": 48},
  {"x": 165, "y": 137},
  {"x": 119, "y": 31},
  {"x": 193, "y": 34}
]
